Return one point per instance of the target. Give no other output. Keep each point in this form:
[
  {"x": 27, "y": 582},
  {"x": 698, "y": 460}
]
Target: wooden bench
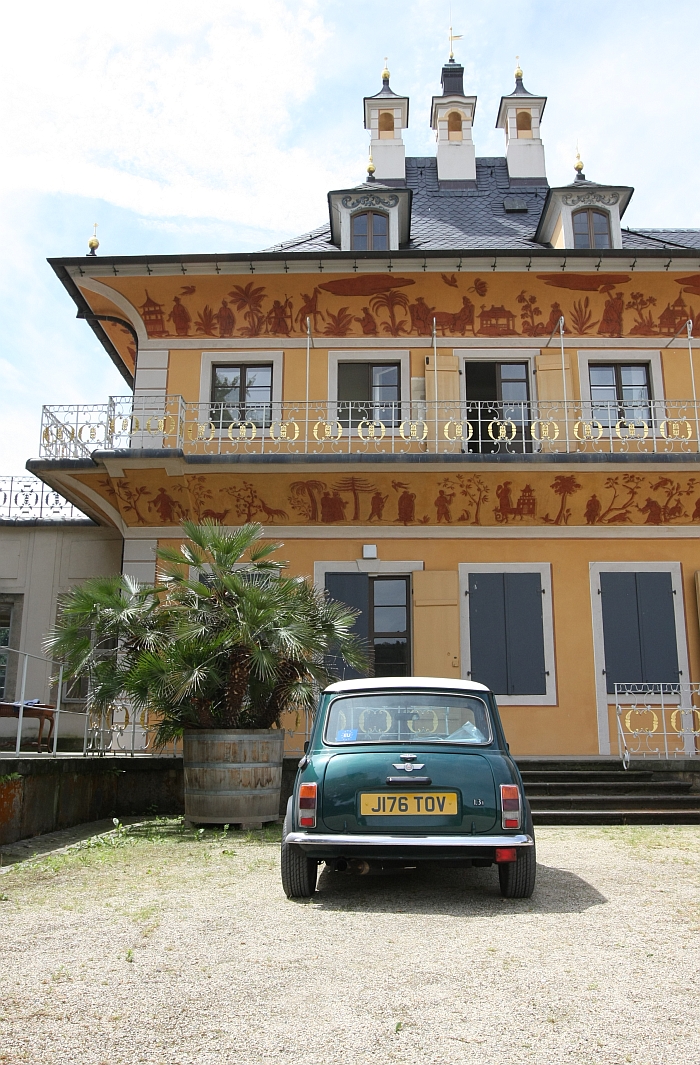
[{"x": 41, "y": 712}]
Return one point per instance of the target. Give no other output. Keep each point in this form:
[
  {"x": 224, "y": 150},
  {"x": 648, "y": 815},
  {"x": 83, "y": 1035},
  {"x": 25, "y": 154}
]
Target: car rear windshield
[{"x": 408, "y": 717}]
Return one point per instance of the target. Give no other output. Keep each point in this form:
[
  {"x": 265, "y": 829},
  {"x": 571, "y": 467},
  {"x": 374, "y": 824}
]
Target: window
[
  {"x": 591, "y": 229},
  {"x": 383, "y": 621},
  {"x": 619, "y": 390},
  {"x": 5, "y": 621},
  {"x": 369, "y": 390},
  {"x": 507, "y": 634},
  {"x": 370, "y": 231},
  {"x": 386, "y": 125},
  {"x": 501, "y": 390},
  {"x": 241, "y": 393},
  {"x": 639, "y": 628},
  {"x": 408, "y": 717},
  {"x": 454, "y": 126},
  {"x": 523, "y": 123}
]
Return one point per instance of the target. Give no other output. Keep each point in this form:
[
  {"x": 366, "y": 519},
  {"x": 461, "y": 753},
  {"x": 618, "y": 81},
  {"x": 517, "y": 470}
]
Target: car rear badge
[{"x": 408, "y": 766}]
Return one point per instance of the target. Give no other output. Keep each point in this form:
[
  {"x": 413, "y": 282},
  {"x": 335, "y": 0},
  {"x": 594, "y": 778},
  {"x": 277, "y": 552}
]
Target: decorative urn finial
[
  {"x": 518, "y": 71},
  {"x": 578, "y": 166},
  {"x": 370, "y": 169},
  {"x": 93, "y": 243},
  {"x": 385, "y": 73}
]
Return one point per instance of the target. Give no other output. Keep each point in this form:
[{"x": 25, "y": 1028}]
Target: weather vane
[{"x": 453, "y": 37}]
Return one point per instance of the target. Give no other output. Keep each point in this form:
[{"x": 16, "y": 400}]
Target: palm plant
[{"x": 232, "y": 645}]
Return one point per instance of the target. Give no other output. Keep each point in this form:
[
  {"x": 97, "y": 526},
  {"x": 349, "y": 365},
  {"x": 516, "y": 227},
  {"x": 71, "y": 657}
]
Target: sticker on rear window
[{"x": 346, "y": 735}]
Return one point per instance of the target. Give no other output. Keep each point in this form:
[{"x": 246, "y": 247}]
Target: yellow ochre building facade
[{"x": 467, "y": 406}]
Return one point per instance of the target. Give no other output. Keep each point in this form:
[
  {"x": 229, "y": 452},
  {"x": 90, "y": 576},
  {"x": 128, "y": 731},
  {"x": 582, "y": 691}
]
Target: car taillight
[
  {"x": 307, "y": 805},
  {"x": 506, "y": 854},
  {"x": 510, "y": 806}
]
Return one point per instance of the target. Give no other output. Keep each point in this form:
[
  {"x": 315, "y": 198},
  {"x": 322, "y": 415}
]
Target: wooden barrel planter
[{"x": 233, "y": 776}]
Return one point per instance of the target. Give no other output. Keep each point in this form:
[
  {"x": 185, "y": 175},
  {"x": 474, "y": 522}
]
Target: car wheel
[
  {"x": 298, "y": 872},
  {"x": 517, "y": 878}
]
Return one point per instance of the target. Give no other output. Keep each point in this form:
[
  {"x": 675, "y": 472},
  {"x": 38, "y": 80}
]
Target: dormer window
[
  {"x": 454, "y": 126},
  {"x": 523, "y": 123},
  {"x": 591, "y": 229},
  {"x": 386, "y": 125},
  {"x": 370, "y": 231}
]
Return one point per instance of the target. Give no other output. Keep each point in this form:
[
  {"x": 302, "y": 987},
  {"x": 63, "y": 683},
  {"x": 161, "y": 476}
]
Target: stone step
[
  {"x": 616, "y": 816},
  {"x": 608, "y": 787},
  {"x": 577, "y": 775},
  {"x": 611, "y": 802}
]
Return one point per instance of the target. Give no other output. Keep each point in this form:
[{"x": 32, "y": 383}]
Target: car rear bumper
[{"x": 335, "y": 844}]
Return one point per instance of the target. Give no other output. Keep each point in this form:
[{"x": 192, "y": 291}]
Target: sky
[{"x": 220, "y": 127}]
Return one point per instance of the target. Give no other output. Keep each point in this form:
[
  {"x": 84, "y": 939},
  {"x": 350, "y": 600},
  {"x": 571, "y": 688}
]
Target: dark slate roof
[
  {"x": 661, "y": 238},
  {"x": 494, "y": 216}
]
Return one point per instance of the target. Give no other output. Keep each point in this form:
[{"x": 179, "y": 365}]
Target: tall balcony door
[{"x": 497, "y": 393}]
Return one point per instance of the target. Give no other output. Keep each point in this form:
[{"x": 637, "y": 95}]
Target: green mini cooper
[{"x": 404, "y": 770}]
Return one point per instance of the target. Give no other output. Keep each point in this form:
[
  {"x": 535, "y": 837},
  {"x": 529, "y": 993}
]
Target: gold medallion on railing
[
  {"x": 160, "y": 425},
  {"x": 676, "y": 429},
  {"x": 284, "y": 431},
  {"x": 504, "y": 427},
  {"x": 238, "y": 431},
  {"x": 694, "y": 715},
  {"x": 413, "y": 430},
  {"x": 327, "y": 430},
  {"x": 636, "y": 430},
  {"x": 114, "y": 425},
  {"x": 197, "y": 431},
  {"x": 544, "y": 430},
  {"x": 463, "y": 430},
  {"x": 592, "y": 430},
  {"x": 374, "y": 430},
  {"x": 641, "y": 710},
  {"x": 91, "y": 431},
  {"x": 64, "y": 434}
]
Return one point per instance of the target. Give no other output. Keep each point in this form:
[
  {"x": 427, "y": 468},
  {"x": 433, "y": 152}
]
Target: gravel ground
[{"x": 159, "y": 945}]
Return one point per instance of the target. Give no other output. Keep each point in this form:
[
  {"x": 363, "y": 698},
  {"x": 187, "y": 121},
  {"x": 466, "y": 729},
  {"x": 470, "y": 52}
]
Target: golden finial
[
  {"x": 385, "y": 73},
  {"x": 93, "y": 243},
  {"x": 578, "y": 165},
  {"x": 370, "y": 165},
  {"x": 518, "y": 71}
]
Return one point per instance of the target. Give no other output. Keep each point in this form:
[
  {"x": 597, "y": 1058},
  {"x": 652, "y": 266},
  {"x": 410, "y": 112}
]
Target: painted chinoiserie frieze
[
  {"x": 396, "y": 305},
  {"x": 535, "y": 498}
]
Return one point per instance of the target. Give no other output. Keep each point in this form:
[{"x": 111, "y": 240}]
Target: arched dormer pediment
[
  {"x": 584, "y": 215},
  {"x": 370, "y": 217}
]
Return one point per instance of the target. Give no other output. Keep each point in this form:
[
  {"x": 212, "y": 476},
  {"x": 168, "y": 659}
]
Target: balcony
[
  {"x": 27, "y": 499},
  {"x": 663, "y": 427}
]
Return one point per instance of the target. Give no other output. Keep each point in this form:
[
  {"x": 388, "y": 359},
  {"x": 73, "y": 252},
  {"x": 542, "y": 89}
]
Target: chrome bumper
[{"x": 338, "y": 840}]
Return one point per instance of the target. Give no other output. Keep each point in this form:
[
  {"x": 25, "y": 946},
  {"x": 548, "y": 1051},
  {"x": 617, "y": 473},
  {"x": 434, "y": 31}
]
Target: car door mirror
[{"x": 306, "y": 746}]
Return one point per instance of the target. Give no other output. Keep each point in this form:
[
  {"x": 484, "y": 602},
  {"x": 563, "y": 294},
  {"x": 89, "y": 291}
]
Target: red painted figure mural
[{"x": 180, "y": 317}]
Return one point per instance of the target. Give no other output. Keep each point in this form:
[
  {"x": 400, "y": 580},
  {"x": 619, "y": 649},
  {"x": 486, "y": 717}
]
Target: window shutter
[
  {"x": 657, "y": 628},
  {"x": 524, "y": 634},
  {"x": 639, "y": 629},
  {"x": 353, "y": 590},
  {"x": 487, "y": 631}
]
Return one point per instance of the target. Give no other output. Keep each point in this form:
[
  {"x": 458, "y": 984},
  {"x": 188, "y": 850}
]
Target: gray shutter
[
  {"x": 487, "y": 631},
  {"x": 623, "y": 654},
  {"x": 639, "y": 629},
  {"x": 657, "y": 628},
  {"x": 353, "y": 590},
  {"x": 524, "y": 634}
]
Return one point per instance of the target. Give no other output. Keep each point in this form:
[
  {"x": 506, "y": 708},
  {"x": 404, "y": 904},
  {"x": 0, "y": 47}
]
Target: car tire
[
  {"x": 517, "y": 878},
  {"x": 299, "y": 873}
]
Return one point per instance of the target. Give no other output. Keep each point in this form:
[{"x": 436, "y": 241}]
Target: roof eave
[{"x": 59, "y": 266}]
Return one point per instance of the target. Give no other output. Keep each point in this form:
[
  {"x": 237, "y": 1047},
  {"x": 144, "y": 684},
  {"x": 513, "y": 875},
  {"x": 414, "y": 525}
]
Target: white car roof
[{"x": 381, "y": 683}]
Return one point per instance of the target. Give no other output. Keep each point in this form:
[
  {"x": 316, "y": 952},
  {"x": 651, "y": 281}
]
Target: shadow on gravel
[{"x": 456, "y": 892}]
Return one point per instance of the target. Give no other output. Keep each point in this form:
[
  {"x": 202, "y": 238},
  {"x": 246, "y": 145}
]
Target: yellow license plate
[{"x": 407, "y": 803}]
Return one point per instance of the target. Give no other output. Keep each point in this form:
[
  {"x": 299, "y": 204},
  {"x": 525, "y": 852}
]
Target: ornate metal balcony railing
[
  {"x": 657, "y": 720},
  {"x": 28, "y": 499},
  {"x": 551, "y": 427}
]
